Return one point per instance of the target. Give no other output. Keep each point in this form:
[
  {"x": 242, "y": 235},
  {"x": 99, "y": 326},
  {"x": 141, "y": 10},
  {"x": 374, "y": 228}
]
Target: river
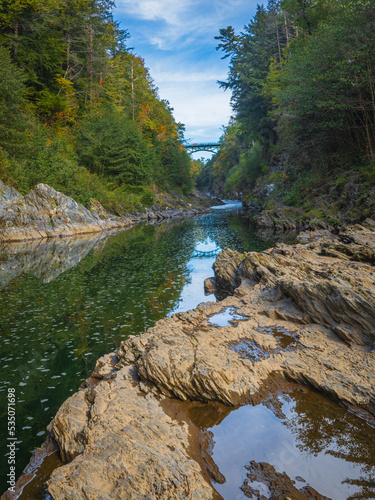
[{"x": 65, "y": 303}]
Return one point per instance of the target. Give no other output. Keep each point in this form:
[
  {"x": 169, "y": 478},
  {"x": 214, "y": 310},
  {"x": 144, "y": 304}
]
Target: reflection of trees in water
[
  {"x": 69, "y": 301},
  {"x": 320, "y": 425},
  {"x": 59, "y": 327}
]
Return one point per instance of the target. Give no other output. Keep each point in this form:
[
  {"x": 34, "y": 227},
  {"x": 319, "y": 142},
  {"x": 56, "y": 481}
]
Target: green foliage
[
  {"x": 110, "y": 144},
  {"x": 302, "y": 75},
  {"x": 79, "y": 111},
  {"x": 326, "y": 95},
  {"x": 147, "y": 198},
  {"x": 13, "y": 119},
  {"x": 49, "y": 159}
]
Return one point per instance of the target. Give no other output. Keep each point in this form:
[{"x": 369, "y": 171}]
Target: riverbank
[
  {"x": 46, "y": 213},
  {"x": 303, "y": 313}
]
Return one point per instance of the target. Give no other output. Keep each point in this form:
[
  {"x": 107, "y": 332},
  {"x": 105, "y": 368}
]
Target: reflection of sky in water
[
  {"x": 255, "y": 433},
  {"x": 198, "y": 269},
  {"x": 192, "y": 294},
  {"x": 226, "y": 317},
  {"x": 207, "y": 246}
]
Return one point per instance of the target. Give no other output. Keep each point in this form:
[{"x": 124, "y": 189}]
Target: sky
[{"x": 176, "y": 40}]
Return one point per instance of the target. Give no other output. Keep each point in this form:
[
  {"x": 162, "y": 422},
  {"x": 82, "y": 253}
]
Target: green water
[{"x": 64, "y": 303}]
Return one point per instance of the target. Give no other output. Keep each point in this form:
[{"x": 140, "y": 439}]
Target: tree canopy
[
  {"x": 71, "y": 84},
  {"x": 302, "y": 76}
]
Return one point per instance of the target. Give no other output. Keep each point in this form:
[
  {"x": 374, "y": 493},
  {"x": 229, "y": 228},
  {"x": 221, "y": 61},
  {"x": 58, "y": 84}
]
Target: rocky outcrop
[
  {"x": 225, "y": 267},
  {"x": 114, "y": 437},
  {"x": 299, "y": 314},
  {"x": 7, "y": 194},
  {"x": 46, "y": 213},
  {"x": 277, "y": 222},
  {"x": 210, "y": 286}
]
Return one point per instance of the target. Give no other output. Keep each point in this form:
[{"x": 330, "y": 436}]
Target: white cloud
[
  {"x": 168, "y": 11},
  {"x": 188, "y": 77},
  {"x": 175, "y": 19},
  {"x": 176, "y": 38},
  {"x": 201, "y": 106}
]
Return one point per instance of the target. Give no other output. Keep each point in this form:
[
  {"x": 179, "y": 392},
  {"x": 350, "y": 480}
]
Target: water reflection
[
  {"x": 66, "y": 302},
  {"x": 313, "y": 440},
  {"x": 45, "y": 259}
]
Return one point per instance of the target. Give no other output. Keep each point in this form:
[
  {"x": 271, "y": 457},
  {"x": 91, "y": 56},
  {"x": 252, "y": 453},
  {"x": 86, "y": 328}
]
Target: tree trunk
[
  {"x": 286, "y": 30},
  {"x": 132, "y": 80}
]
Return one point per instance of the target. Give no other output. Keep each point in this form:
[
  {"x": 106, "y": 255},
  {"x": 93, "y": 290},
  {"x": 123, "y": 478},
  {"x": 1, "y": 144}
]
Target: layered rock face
[
  {"x": 46, "y": 213},
  {"x": 121, "y": 444},
  {"x": 305, "y": 312}
]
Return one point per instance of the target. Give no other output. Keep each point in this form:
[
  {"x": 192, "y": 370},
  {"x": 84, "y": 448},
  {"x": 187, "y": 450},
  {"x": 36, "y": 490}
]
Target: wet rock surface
[
  {"x": 210, "y": 286},
  {"x": 308, "y": 315}
]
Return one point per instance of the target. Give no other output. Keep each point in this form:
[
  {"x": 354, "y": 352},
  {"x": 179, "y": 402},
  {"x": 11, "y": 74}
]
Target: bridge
[{"x": 211, "y": 147}]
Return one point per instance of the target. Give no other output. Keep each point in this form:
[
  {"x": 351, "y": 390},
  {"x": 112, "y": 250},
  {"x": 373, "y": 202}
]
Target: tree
[
  {"x": 326, "y": 98},
  {"x": 13, "y": 119},
  {"x": 110, "y": 144}
]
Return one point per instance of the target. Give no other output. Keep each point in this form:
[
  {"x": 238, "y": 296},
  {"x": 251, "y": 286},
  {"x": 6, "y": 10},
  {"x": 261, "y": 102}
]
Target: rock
[
  {"x": 330, "y": 291},
  {"x": 7, "y": 194},
  {"x": 337, "y": 305},
  {"x": 310, "y": 236},
  {"x": 122, "y": 445},
  {"x": 97, "y": 208},
  {"x": 210, "y": 286},
  {"x": 225, "y": 267},
  {"x": 300, "y": 311},
  {"x": 186, "y": 357},
  {"x": 279, "y": 223},
  {"x": 45, "y": 213},
  {"x": 264, "y": 221},
  {"x": 251, "y": 205}
]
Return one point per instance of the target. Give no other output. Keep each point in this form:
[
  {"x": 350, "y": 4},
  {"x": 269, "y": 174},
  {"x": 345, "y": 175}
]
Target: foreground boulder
[
  {"x": 296, "y": 313},
  {"x": 121, "y": 444}
]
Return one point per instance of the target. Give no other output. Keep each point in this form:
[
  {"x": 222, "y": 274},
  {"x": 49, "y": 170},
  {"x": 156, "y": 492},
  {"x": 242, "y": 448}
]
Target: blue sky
[{"x": 176, "y": 39}]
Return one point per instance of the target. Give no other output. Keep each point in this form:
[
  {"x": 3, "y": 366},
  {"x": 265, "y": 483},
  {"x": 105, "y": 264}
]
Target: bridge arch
[{"x": 211, "y": 147}]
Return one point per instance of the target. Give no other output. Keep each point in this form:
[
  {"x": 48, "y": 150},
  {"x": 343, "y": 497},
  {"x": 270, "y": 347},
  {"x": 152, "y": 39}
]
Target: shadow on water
[{"x": 66, "y": 302}]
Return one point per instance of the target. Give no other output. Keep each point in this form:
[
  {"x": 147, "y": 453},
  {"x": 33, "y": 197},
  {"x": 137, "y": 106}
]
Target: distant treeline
[
  {"x": 78, "y": 110},
  {"x": 302, "y": 76}
]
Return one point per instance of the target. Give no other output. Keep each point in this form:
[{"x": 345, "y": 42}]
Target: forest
[
  {"x": 302, "y": 77},
  {"x": 79, "y": 109}
]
